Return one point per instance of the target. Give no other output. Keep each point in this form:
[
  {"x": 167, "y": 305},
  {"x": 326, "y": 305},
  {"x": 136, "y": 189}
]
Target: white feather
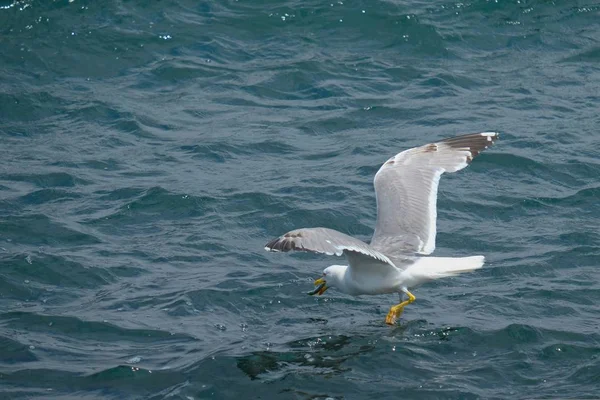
[{"x": 429, "y": 268}]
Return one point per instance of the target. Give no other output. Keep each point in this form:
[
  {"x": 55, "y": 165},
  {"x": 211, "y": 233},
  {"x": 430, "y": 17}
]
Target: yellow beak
[{"x": 321, "y": 287}]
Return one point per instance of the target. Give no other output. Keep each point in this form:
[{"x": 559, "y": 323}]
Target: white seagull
[{"x": 406, "y": 188}]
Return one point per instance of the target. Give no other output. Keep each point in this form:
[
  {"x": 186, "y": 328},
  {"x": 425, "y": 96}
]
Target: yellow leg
[{"x": 396, "y": 311}]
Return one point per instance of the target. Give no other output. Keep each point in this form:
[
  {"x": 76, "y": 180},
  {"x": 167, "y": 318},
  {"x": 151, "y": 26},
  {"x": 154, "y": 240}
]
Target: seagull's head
[{"x": 332, "y": 276}]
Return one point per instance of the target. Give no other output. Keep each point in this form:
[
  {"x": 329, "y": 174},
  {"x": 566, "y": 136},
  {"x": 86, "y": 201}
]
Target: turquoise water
[{"x": 149, "y": 150}]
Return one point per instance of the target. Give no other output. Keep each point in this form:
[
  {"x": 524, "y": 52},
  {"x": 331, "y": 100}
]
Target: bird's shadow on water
[{"x": 327, "y": 353}]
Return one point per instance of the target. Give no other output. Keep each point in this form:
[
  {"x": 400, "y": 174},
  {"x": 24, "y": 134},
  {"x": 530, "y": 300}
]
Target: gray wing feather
[
  {"x": 325, "y": 241},
  {"x": 406, "y": 190}
]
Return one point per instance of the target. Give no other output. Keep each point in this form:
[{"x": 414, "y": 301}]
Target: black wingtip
[
  {"x": 281, "y": 244},
  {"x": 475, "y": 142}
]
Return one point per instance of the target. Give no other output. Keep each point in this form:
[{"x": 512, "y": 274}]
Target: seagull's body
[{"x": 406, "y": 191}]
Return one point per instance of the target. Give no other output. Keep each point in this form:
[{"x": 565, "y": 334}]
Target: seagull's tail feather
[{"x": 429, "y": 268}]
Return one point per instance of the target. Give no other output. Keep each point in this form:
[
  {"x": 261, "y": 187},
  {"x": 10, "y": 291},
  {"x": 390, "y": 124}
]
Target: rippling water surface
[{"x": 149, "y": 149}]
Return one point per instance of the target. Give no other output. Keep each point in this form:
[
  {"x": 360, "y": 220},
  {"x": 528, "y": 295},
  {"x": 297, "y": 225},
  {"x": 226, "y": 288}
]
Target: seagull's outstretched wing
[
  {"x": 406, "y": 188},
  {"x": 328, "y": 241}
]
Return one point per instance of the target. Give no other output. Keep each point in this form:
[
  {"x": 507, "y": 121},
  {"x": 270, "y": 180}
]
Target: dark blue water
[{"x": 149, "y": 150}]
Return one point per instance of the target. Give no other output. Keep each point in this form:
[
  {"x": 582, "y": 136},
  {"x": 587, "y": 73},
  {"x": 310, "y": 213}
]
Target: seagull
[{"x": 395, "y": 261}]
